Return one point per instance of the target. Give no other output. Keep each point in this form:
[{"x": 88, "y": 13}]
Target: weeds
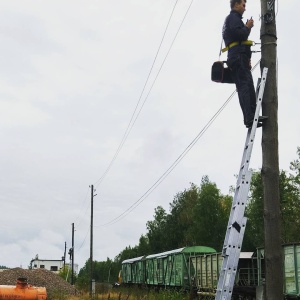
[{"x": 132, "y": 294}]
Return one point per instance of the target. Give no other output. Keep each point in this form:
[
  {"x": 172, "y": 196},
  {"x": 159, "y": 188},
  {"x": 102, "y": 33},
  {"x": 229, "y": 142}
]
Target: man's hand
[{"x": 250, "y": 23}]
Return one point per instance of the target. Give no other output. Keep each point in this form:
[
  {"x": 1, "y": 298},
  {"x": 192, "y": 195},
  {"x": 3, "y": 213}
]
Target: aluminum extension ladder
[{"x": 237, "y": 222}]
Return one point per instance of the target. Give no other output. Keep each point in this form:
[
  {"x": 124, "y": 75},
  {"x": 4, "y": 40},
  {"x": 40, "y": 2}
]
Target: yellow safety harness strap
[{"x": 248, "y": 43}]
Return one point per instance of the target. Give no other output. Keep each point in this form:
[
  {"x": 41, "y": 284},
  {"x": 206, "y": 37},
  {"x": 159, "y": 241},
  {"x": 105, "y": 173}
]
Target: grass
[{"x": 132, "y": 294}]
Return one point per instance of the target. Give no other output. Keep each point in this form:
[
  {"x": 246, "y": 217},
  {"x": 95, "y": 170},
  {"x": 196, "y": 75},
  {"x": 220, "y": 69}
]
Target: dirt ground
[{"x": 40, "y": 278}]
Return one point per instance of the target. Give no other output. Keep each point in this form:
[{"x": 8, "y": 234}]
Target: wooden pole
[
  {"x": 91, "y": 241},
  {"x": 270, "y": 168}
]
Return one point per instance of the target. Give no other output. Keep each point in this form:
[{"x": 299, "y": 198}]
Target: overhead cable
[
  {"x": 136, "y": 113},
  {"x": 174, "y": 164}
]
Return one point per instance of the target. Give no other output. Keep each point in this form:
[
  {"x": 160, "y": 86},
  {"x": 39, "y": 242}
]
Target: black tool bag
[{"x": 219, "y": 73}]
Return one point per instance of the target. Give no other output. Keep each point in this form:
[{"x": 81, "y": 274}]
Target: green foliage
[
  {"x": 162, "y": 294},
  {"x": 182, "y": 218},
  {"x": 83, "y": 279},
  {"x": 211, "y": 215},
  {"x": 254, "y": 229},
  {"x": 3, "y": 267},
  {"x": 66, "y": 274},
  {"x": 295, "y": 168},
  {"x": 57, "y": 295},
  {"x": 103, "y": 271},
  {"x": 198, "y": 216},
  {"x": 290, "y": 208},
  {"x": 156, "y": 231}
]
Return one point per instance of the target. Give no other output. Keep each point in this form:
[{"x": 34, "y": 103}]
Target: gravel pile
[{"x": 39, "y": 278}]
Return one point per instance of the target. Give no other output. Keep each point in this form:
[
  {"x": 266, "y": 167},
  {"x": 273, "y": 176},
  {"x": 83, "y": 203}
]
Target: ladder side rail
[
  {"x": 231, "y": 256},
  {"x": 239, "y": 210},
  {"x": 258, "y": 96},
  {"x": 248, "y": 146},
  {"x": 248, "y": 151},
  {"x": 236, "y": 200},
  {"x": 233, "y": 244},
  {"x": 234, "y": 238},
  {"x": 256, "y": 116},
  {"x": 225, "y": 292}
]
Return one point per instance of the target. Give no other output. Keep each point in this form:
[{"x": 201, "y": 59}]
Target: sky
[{"x": 73, "y": 74}]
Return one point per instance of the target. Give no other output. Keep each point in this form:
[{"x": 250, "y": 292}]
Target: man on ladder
[{"x": 235, "y": 35}]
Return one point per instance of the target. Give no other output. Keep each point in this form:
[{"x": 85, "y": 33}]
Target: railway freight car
[
  {"x": 205, "y": 272},
  {"x": 167, "y": 269},
  {"x": 291, "y": 255},
  {"x": 199, "y": 267},
  {"x": 291, "y": 270},
  {"x": 192, "y": 268}
]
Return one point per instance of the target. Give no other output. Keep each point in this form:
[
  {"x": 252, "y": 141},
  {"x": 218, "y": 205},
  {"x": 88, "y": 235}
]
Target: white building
[{"x": 51, "y": 265}]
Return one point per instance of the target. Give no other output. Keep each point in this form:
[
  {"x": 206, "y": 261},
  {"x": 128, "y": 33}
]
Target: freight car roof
[
  {"x": 132, "y": 260},
  {"x": 188, "y": 250},
  {"x": 192, "y": 250},
  {"x": 164, "y": 254}
]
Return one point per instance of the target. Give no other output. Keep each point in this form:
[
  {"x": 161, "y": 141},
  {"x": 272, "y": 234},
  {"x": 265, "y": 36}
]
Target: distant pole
[
  {"x": 72, "y": 275},
  {"x": 65, "y": 255},
  {"x": 91, "y": 242},
  {"x": 270, "y": 167}
]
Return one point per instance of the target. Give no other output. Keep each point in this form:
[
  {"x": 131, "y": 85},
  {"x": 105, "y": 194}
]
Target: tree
[
  {"x": 198, "y": 216},
  {"x": 83, "y": 279},
  {"x": 211, "y": 215},
  {"x": 104, "y": 271},
  {"x": 295, "y": 167},
  {"x": 254, "y": 233},
  {"x": 65, "y": 273},
  {"x": 289, "y": 207},
  {"x": 156, "y": 231},
  {"x": 143, "y": 247},
  {"x": 181, "y": 220},
  {"x": 127, "y": 253}
]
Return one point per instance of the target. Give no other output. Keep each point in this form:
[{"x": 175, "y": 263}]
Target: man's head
[{"x": 238, "y": 5}]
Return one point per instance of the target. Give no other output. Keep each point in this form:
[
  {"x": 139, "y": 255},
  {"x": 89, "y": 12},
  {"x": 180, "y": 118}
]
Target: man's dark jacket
[{"x": 234, "y": 30}]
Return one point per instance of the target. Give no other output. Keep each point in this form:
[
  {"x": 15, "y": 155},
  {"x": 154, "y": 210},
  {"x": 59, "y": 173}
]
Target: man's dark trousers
[{"x": 242, "y": 77}]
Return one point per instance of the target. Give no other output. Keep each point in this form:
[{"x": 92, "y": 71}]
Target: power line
[
  {"x": 83, "y": 242},
  {"x": 134, "y": 115},
  {"x": 170, "y": 169},
  {"x": 174, "y": 164}
]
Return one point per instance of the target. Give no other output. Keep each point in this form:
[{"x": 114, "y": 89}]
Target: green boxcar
[
  {"x": 292, "y": 269},
  {"x": 167, "y": 269},
  {"x": 133, "y": 270},
  {"x": 172, "y": 268}
]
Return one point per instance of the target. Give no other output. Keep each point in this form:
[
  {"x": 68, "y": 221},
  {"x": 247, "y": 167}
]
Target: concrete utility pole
[{"x": 270, "y": 168}]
